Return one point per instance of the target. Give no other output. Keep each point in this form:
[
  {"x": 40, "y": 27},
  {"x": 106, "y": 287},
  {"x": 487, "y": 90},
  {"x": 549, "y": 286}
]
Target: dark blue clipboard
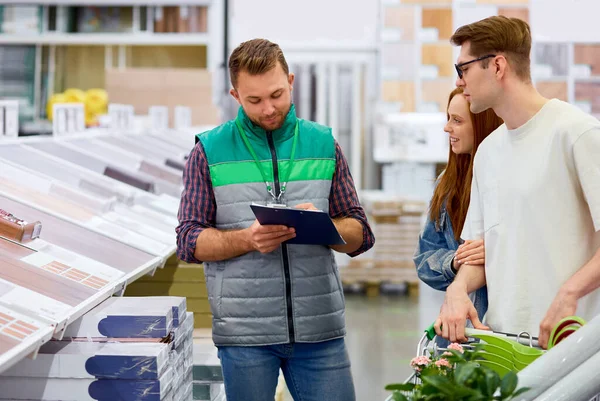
[{"x": 313, "y": 227}]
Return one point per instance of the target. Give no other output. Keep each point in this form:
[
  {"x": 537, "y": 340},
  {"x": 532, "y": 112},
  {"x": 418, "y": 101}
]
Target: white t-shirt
[{"x": 535, "y": 199}]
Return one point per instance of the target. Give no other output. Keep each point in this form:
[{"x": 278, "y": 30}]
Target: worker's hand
[
  {"x": 564, "y": 305},
  {"x": 266, "y": 239},
  {"x": 470, "y": 253},
  {"x": 306, "y": 206},
  {"x": 455, "y": 311}
]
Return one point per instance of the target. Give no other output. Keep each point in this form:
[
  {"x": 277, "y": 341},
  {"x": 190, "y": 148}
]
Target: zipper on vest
[{"x": 284, "y": 250}]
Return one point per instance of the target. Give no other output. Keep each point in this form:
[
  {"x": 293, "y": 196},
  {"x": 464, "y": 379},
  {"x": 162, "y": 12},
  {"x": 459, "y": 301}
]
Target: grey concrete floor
[{"x": 383, "y": 333}]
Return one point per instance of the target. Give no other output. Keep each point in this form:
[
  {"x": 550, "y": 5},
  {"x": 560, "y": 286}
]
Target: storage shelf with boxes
[
  {"x": 73, "y": 45},
  {"x": 396, "y": 223}
]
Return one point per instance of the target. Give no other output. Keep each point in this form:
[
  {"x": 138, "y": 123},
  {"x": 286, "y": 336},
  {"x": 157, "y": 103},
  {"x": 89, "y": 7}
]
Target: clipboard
[{"x": 313, "y": 227}]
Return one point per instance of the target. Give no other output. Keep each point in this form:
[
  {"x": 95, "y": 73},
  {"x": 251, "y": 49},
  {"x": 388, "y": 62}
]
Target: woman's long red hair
[{"x": 454, "y": 186}]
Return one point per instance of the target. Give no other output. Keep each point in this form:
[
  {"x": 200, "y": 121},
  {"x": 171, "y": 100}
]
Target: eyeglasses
[{"x": 461, "y": 65}]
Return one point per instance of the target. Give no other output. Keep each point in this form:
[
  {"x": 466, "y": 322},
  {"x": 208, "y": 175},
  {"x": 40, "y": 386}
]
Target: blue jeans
[{"x": 313, "y": 372}]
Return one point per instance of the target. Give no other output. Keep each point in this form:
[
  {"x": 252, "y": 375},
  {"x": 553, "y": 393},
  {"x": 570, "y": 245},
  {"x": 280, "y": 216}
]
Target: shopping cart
[{"x": 503, "y": 352}]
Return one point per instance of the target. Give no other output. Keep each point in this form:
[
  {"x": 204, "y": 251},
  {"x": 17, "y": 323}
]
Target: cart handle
[{"x": 430, "y": 332}]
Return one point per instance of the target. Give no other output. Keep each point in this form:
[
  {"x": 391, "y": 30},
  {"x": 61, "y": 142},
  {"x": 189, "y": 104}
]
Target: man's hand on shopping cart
[
  {"x": 455, "y": 311},
  {"x": 564, "y": 304}
]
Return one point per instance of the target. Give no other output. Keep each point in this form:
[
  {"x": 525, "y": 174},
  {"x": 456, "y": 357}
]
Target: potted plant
[{"x": 456, "y": 375}]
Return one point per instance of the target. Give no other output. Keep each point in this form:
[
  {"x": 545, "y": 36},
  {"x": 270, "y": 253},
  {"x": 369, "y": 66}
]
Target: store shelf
[
  {"x": 29, "y": 336},
  {"x": 107, "y": 39},
  {"x": 113, "y": 2}
]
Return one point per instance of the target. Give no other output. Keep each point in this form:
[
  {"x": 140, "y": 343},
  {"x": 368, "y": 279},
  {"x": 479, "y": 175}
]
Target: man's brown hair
[
  {"x": 255, "y": 57},
  {"x": 499, "y": 34}
]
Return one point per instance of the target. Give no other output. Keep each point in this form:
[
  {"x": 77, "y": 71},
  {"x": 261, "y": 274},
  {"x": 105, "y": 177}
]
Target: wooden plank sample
[
  {"x": 437, "y": 91},
  {"x": 441, "y": 56},
  {"x": 145, "y": 87},
  {"x": 400, "y": 91},
  {"x": 426, "y": 1},
  {"x": 589, "y": 91},
  {"x": 503, "y": 2},
  {"x": 520, "y": 13},
  {"x": 553, "y": 89},
  {"x": 402, "y": 18},
  {"x": 440, "y": 18},
  {"x": 80, "y": 240},
  {"x": 51, "y": 285},
  {"x": 590, "y": 55}
]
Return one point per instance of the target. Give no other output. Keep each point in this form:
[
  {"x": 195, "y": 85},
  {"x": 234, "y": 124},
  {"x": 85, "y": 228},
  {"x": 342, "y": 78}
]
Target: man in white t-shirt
[{"x": 535, "y": 198}]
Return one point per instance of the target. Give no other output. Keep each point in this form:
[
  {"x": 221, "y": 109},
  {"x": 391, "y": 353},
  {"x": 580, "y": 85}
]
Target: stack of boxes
[
  {"x": 178, "y": 279},
  {"x": 138, "y": 349},
  {"x": 396, "y": 223}
]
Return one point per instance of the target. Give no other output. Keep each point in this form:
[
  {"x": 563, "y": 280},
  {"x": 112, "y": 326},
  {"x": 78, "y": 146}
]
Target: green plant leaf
[
  {"x": 400, "y": 387},
  {"x": 398, "y": 396},
  {"x": 508, "y": 385},
  {"x": 440, "y": 383},
  {"x": 463, "y": 372},
  {"x": 519, "y": 392},
  {"x": 491, "y": 383}
]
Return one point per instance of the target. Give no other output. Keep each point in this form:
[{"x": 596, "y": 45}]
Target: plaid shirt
[{"x": 198, "y": 208}]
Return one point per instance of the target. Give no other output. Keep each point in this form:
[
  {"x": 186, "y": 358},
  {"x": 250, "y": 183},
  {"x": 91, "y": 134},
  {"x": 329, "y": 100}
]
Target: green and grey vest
[{"x": 293, "y": 294}]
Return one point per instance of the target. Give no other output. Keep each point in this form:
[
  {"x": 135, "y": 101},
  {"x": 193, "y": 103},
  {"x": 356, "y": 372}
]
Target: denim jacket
[{"x": 433, "y": 259}]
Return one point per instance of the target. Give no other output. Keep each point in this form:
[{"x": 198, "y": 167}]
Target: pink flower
[
  {"x": 442, "y": 363},
  {"x": 447, "y": 354},
  {"x": 419, "y": 361},
  {"x": 456, "y": 347}
]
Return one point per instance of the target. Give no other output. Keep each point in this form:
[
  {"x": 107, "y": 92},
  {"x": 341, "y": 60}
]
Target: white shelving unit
[
  {"x": 108, "y": 39},
  {"x": 135, "y": 36}
]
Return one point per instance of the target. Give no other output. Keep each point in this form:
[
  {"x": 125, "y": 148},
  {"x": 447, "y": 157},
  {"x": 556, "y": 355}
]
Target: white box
[
  {"x": 127, "y": 317},
  {"x": 90, "y": 360}
]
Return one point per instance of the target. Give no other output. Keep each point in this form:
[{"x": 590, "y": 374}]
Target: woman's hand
[{"x": 470, "y": 253}]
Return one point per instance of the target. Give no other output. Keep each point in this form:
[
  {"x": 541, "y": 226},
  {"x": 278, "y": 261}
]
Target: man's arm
[
  {"x": 346, "y": 211},
  {"x": 587, "y": 278},
  {"x": 197, "y": 238}
]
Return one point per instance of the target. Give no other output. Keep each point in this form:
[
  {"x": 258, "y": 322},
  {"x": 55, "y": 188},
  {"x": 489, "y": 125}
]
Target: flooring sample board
[
  {"x": 401, "y": 18},
  {"x": 67, "y": 166},
  {"x": 20, "y": 335},
  {"x": 175, "y": 164},
  {"x": 56, "y": 389},
  {"x": 512, "y": 12},
  {"x": 131, "y": 232},
  {"x": 127, "y": 317},
  {"x": 100, "y": 360},
  {"x": 553, "y": 89},
  {"x": 400, "y": 91},
  {"x": 150, "y": 147},
  {"x": 503, "y": 2},
  {"x": 439, "y": 18},
  {"x": 440, "y": 56},
  {"x": 427, "y": 2},
  {"x": 82, "y": 241},
  {"x": 589, "y": 55},
  {"x": 437, "y": 91},
  {"x": 590, "y": 92},
  {"x": 126, "y": 164},
  {"x": 32, "y": 283}
]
